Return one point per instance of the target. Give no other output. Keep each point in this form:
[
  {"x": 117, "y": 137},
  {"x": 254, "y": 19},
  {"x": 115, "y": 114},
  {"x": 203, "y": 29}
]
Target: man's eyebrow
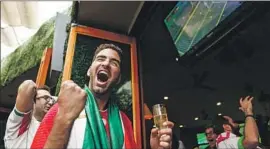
[
  {"x": 116, "y": 60},
  {"x": 101, "y": 56}
]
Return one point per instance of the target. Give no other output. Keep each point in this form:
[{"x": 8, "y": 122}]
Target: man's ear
[
  {"x": 119, "y": 79},
  {"x": 88, "y": 72}
]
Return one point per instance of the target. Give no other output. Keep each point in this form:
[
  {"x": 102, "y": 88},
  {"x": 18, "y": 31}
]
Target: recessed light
[
  {"x": 196, "y": 118},
  {"x": 181, "y": 126},
  {"x": 218, "y": 103},
  {"x": 166, "y": 97},
  {"x": 176, "y": 59},
  {"x": 219, "y": 114}
]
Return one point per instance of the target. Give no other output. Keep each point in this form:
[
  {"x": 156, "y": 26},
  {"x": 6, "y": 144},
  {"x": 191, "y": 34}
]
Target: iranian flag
[{"x": 95, "y": 129}]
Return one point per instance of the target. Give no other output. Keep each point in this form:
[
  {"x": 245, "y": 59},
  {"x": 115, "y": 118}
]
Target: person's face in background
[
  {"x": 227, "y": 128},
  {"x": 44, "y": 102},
  {"x": 211, "y": 137}
]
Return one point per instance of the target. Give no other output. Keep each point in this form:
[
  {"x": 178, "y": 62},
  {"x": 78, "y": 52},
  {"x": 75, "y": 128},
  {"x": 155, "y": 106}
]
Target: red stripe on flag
[
  {"x": 45, "y": 128},
  {"x": 25, "y": 122},
  {"x": 129, "y": 137}
]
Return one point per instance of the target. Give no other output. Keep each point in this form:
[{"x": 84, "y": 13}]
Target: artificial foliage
[{"x": 28, "y": 55}]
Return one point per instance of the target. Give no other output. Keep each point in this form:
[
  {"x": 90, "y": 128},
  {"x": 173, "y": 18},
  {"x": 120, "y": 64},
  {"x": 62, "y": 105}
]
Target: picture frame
[{"x": 77, "y": 31}]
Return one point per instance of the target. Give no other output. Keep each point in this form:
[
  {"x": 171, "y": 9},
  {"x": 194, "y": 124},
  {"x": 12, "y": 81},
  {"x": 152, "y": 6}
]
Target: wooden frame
[
  {"x": 97, "y": 33},
  {"x": 44, "y": 66}
]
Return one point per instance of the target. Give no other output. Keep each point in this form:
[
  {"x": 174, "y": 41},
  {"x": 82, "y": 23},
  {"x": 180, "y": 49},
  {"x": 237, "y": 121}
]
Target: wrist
[
  {"x": 64, "y": 119},
  {"x": 248, "y": 112}
]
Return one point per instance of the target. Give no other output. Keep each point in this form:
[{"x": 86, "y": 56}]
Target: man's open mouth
[{"x": 102, "y": 76}]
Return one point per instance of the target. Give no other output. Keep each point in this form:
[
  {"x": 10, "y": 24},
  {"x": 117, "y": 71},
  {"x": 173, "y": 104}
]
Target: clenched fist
[
  {"x": 71, "y": 100},
  {"x": 27, "y": 89},
  {"x": 25, "y": 96}
]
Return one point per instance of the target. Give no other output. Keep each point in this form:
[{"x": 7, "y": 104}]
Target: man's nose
[
  {"x": 106, "y": 62},
  {"x": 50, "y": 102}
]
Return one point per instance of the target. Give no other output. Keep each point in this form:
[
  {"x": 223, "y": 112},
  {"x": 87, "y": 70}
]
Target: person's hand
[
  {"x": 246, "y": 105},
  {"x": 162, "y": 138},
  {"x": 230, "y": 120},
  {"x": 71, "y": 100},
  {"x": 27, "y": 89}
]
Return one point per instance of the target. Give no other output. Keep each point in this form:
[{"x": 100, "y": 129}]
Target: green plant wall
[
  {"x": 30, "y": 53},
  {"x": 27, "y": 55}
]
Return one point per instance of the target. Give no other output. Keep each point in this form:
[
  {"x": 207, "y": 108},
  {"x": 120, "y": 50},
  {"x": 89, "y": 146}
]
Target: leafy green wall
[
  {"x": 27, "y": 55},
  {"x": 30, "y": 53}
]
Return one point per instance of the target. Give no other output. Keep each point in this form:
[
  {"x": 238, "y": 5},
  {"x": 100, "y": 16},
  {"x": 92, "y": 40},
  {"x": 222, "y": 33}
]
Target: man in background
[
  {"x": 31, "y": 105},
  {"x": 250, "y": 139},
  {"x": 211, "y": 136}
]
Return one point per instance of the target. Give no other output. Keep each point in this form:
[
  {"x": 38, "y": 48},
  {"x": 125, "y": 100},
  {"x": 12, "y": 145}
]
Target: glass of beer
[{"x": 160, "y": 115}]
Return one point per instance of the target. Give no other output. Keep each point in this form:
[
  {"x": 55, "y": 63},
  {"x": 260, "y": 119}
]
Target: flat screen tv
[
  {"x": 201, "y": 138},
  {"x": 189, "y": 22}
]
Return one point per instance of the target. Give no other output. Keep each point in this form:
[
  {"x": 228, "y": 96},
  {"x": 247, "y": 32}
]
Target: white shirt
[
  {"x": 227, "y": 140},
  {"x": 77, "y": 132},
  {"x": 230, "y": 141},
  {"x": 20, "y": 129}
]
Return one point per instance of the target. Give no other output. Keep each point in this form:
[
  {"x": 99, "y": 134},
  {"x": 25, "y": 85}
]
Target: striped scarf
[{"x": 95, "y": 133}]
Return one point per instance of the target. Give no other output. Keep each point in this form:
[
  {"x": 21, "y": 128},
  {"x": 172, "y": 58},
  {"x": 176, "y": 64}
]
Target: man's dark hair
[
  {"x": 216, "y": 130},
  {"x": 211, "y": 126},
  {"x": 109, "y": 46},
  {"x": 42, "y": 87}
]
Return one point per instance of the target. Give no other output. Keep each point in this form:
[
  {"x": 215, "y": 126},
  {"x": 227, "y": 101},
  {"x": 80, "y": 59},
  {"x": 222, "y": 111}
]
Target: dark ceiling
[
  {"x": 117, "y": 16},
  {"x": 240, "y": 66}
]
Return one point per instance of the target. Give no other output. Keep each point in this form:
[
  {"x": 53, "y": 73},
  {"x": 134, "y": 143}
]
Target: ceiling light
[
  {"x": 176, "y": 59},
  {"x": 181, "y": 126},
  {"x": 219, "y": 114},
  {"x": 166, "y": 97},
  {"x": 218, "y": 103},
  {"x": 196, "y": 118}
]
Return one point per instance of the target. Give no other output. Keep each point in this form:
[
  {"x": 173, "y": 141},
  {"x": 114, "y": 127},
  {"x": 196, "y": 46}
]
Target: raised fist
[
  {"x": 27, "y": 89},
  {"x": 71, "y": 100}
]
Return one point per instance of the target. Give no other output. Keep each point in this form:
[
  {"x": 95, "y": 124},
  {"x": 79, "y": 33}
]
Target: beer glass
[{"x": 160, "y": 115}]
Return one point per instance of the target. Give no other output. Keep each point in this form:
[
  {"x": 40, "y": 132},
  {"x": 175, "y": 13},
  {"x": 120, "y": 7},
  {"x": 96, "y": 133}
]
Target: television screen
[
  {"x": 190, "y": 21},
  {"x": 201, "y": 138}
]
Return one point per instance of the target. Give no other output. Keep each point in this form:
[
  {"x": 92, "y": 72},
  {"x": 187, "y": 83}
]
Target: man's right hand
[
  {"x": 230, "y": 120},
  {"x": 246, "y": 105},
  {"x": 71, "y": 100},
  {"x": 27, "y": 89},
  {"x": 25, "y": 96}
]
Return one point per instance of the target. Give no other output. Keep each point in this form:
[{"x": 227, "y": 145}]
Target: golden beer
[
  {"x": 160, "y": 115},
  {"x": 159, "y": 120}
]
